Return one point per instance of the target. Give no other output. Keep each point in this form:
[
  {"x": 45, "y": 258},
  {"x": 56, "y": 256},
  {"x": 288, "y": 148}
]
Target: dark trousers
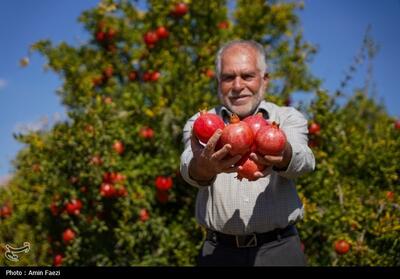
[{"x": 284, "y": 252}]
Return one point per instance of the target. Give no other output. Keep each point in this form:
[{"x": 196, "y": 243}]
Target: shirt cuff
[
  {"x": 293, "y": 169},
  {"x": 186, "y": 157}
]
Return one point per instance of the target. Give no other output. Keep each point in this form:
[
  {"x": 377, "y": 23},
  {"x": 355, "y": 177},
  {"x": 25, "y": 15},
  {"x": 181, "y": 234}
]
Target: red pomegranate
[
  {"x": 180, "y": 9},
  {"x": 390, "y": 195},
  {"x": 144, "y": 215},
  {"x": 146, "y": 133},
  {"x": 121, "y": 191},
  {"x": 54, "y": 209},
  {"x": 256, "y": 122},
  {"x": 270, "y": 140},
  {"x": 162, "y": 196},
  {"x": 113, "y": 177},
  {"x": 74, "y": 207},
  {"x": 223, "y": 24},
  {"x": 154, "y": 76},
  {"x": 68, "y": 235},
  {"x": 150, "y": 38},
  {"x": 5, "y": 211},
  {"x": 397, "y": 124},
  {"x": 206, "y": 125},
  {"x": 314, "y": 128},
  {"x": 163, "y": 183},
  {"x": 58, "y": 259},
  {"x": 239, "y": 135},
  {"x": 132, "y": 75},
  {"x": 100, "y": 36},
  {"x": 249, "y": 168},
  {"x": 107, "y": 190},
  {"x": 342, "y": 247},
  {"x": 162, "y": 32},
  {"x": 118, "y": 147}
]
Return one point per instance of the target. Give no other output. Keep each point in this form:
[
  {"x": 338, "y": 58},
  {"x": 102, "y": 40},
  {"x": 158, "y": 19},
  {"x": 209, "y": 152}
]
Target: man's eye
[
  {"x": 248, "y": 77},
  {"x": 227, "y": 78}
]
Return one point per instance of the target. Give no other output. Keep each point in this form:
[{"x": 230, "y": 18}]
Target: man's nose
[{"x": 238, "y": 84}]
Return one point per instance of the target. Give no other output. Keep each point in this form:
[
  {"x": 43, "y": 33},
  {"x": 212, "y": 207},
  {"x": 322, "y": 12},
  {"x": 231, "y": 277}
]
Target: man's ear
[{"x": 266, "y": 79}]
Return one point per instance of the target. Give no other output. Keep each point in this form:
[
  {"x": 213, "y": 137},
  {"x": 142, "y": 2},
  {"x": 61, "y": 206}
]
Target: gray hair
[{"x": 261, "y": 58}]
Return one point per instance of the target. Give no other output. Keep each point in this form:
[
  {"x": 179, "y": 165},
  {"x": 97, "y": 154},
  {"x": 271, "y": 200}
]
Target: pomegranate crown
[
  {"x": 234, "y": 118},
  {"x": 275, "y": 124},
  {"x": 203, "y": 110}
]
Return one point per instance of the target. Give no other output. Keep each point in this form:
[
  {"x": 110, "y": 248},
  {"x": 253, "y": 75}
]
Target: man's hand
[
  {"x": 280, "y": 162},
  {"x": 207, "y": 162}
]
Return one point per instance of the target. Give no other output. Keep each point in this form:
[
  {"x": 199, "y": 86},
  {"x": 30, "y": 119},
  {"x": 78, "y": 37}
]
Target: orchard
[{"x": 103, "y": 187}]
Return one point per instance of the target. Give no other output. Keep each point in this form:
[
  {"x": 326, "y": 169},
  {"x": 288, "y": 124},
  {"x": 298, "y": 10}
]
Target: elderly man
[{"x": 248, "y": 223}]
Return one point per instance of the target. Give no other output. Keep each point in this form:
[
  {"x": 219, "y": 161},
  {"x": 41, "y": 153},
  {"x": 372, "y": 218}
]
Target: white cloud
[
  {"x": 3, "y": 83},
  {"x": 42, "y": 124}
]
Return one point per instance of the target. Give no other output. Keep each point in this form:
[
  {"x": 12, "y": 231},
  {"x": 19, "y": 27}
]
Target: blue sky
[{"x": 27, "y": 95}]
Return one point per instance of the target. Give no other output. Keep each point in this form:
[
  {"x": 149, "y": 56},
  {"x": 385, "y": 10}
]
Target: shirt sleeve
[
  {"x": 187, "y": 154},
  {"x": 295, "y": 126}
]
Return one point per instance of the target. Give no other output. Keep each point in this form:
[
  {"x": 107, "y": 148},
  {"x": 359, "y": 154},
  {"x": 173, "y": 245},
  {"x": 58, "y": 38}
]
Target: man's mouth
[{"x": 240, "y": 100}]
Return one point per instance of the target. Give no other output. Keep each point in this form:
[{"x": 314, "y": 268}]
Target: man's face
[{"x": 241, "y": 86}]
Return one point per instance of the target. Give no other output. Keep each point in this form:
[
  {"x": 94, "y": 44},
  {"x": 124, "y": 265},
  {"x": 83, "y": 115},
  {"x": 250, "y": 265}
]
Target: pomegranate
[
  {"x": 162, "y": 196},
  {"x": 163, "y": 183},
  {"x": 270, "y": 140},
  {"x": 390, "y": 195},
  {"x": 107, "y": 190},
  {"x": 255, "y": 122},
  {"x": 150, "y": 38},
  {"x": 54, "y": 209},
  {"x": 180, "y": 9},
  {"x": 162, "y": 32},
  {"x": 249, "y": 168},
  {"x": 206, "y": 125},
  {"x": 68, "y": 235},
  {"x": 397, "y": 124},
  {"x": 146, "y": 132},
  {"x": 342, "y": 247},
  {"x": 118, "y": 147},
  {"x": 113, "y": 177},
  {"x": 74, "y": 207},
  {"x": 58, "y": 259},
  {"x": 5, "y": 211},
  {"x": 132, "y": 75},
  {"x": 121, "y": 192},
  {"x": 144, "y": 215},
  {"x": 223, "y": 25},
  {"x": 314, "y": 128},
  {"x": 239, "y": 135}
]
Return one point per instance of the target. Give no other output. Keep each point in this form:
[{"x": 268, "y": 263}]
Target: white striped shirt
[{"x": 238, "y": 207}]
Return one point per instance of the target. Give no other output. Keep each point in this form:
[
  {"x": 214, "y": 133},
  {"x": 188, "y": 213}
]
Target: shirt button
[{"x": 246, "y": 199}]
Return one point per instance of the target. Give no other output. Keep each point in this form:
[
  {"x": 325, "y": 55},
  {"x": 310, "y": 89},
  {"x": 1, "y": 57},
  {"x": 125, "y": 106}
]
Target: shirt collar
[{"x": 225, "y": 113}]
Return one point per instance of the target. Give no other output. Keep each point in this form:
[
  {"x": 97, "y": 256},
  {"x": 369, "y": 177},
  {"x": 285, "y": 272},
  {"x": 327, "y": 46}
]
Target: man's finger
[
  {"x": 194, "y": 142},
  {"x": 272, "y": 160},
  {"x": 259, "y": 159},
  {"x": 230, "y": 170},
  {"x": 262, "y": 174},
  {"x": 212, "y": 142},
  {"x": 231, "y": 161},
  {"x": 220, "y": 154}
]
